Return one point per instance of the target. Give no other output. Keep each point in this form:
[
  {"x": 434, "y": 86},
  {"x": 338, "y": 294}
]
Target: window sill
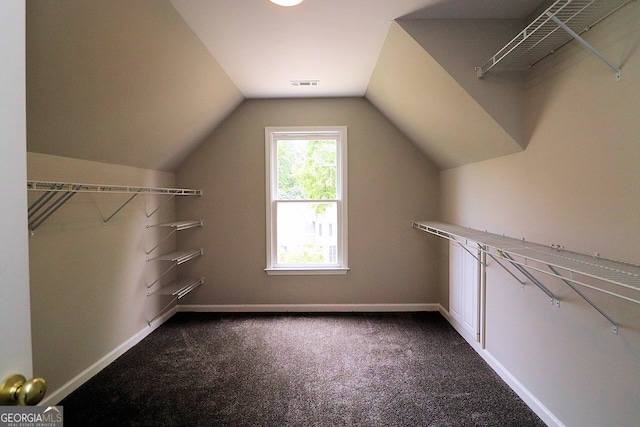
[{"x": 305, "y": 271}]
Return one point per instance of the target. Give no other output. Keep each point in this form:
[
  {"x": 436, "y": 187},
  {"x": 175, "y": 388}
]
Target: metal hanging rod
[
  {"x": 560, "y": 262},
  {"x": 57, "y": 194},
  {"x": 563, "y": 21}
]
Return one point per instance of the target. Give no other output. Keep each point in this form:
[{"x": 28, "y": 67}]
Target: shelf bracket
[
  {"x": 120, "y": 208},
  {"x": 182, "y": 293},
  {"x": 42, "y": 201},
  {"x": 585, "y": 44},
  {"x": 614, "y": 325},
  {"x": 49, "y": 208},
  {"x": 171, "y": 197},
  {"x": 162, "y": 311},
  {"x": 173, "y": 265},
  {"x": 470, "y": 253},
  {"x": 506, "y": 269},
  {"x": 160, "y": 242},
  {"x": 535, "y": 281}
]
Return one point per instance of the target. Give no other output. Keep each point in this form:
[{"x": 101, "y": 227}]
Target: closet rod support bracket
[
  {"x": 585, "y": 44},
  {"x": 557, "y": 274},
  {"x": 121, "y": 207},
  {"x": 171, "y": 197}
]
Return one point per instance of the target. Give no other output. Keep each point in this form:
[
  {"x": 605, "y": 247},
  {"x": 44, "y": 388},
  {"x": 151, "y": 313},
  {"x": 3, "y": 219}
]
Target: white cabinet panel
[{"x": 464, "y": 289}]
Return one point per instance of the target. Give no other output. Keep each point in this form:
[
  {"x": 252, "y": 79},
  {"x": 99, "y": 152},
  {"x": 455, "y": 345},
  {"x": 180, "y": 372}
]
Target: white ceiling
[{"x": 262, "y": 47}]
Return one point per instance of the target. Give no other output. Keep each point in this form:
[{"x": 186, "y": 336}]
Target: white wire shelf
[
  {"x": 563, "y": 21},
  {"x": 175, "y": 227},
  {"x": 106, "y": 188},
  {"x": 179, "y": 288},
  {"x": 57, "y": 194},
  {"x": 569, "y": 266},
  {"x": 179, "y": 225},
  {"x": 179, "y": 257}
]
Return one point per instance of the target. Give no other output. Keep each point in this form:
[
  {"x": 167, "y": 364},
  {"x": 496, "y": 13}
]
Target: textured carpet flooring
[{"x": 299, "y": 370}]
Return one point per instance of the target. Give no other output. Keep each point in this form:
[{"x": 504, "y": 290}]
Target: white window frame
[{"x": 271, "y": 135}]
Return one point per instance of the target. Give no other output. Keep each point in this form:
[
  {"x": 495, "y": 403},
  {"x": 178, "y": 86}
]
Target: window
[{"x": 306, "y": 176}]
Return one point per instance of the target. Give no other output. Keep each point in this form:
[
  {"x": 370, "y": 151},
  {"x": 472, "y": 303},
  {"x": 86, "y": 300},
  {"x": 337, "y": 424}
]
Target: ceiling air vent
[{"x": 304, "y": 83}]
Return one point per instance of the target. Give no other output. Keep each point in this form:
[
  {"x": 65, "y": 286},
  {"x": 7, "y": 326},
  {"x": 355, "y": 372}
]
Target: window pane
[
  {"x": 306, "y": 169},
  {"x": 299, "y": 240}
]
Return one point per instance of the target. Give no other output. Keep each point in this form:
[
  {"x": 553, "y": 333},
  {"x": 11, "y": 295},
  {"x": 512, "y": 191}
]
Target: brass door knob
[{"x": 16, "y": 390}]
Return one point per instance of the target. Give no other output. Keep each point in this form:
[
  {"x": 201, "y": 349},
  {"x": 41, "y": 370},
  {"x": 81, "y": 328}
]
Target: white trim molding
[
  {"x": 305, "y": 271},
  {"x": 531, "y": 401},
  {"x": 57, "y": 395},
  {"x": 308, "y": 308},
  {"x": 274, "y": 203}
]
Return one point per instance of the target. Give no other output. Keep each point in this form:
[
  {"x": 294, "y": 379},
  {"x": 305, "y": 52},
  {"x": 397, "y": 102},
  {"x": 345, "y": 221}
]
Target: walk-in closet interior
[{"x": 487, "y": 169}]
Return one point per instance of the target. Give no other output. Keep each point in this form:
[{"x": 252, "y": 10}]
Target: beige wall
[
  {"x": 418, "y": 93},
  {"x": 121, "y": 82},
  {"x": 390, "y": 184},
  {"x": 577, "y": 185},
  {"x": 460, "y": 45},
  {"x": 88, "y": 280}
]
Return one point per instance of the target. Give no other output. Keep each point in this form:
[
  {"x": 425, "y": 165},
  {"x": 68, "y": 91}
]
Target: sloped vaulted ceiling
[
  {"x": 119, "y": 81},
  {"x": 130, "y": 82},
  {"x": 436, "y": 110}
]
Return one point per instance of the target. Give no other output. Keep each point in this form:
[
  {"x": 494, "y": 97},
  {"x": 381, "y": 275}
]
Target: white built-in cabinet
[{"x": 464, "y": 289}]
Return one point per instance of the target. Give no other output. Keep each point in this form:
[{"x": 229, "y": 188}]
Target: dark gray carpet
[{"x": 299, "y": 370}]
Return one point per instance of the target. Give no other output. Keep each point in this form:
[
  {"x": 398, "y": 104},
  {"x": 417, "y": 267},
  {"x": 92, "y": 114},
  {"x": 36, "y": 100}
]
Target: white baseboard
[
  {"x": 532, "y": 402},
  {"x": 307, "y": 308},
  {"x": 57, "y": 395}
]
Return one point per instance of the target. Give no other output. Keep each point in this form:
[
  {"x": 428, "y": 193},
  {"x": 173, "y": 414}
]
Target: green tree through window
[{"x": 307, "y": 170}]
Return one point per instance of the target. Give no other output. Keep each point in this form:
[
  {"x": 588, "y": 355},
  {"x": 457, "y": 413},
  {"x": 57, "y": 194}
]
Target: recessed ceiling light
[{"x": 286, "y": 3}]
